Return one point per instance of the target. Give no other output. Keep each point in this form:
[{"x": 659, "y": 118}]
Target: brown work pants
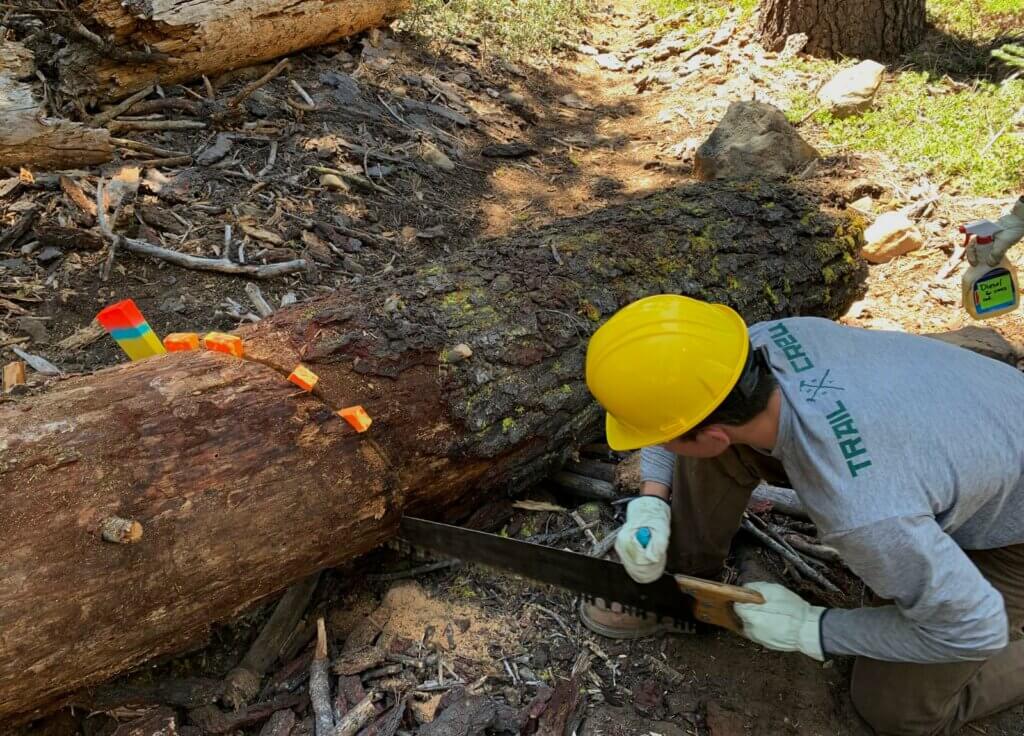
[{"x": 895, "y": 698}]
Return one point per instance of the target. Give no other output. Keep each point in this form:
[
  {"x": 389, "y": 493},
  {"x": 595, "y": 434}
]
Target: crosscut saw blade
[{"x": 598, "y": 581}]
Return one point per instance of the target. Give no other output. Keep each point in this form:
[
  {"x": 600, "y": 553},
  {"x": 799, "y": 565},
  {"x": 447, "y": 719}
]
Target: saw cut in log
[
  {"x": 29, "y": 139},
  {"x": 185, "y": 40},
  {"x": 244, "y": 486}
]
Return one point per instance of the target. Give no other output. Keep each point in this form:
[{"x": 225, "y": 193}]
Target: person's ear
[{"x": 715, "y": 435}]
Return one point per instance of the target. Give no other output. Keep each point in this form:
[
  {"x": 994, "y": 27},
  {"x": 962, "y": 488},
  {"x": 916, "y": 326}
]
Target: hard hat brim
[{"x": 622, "y": 437}]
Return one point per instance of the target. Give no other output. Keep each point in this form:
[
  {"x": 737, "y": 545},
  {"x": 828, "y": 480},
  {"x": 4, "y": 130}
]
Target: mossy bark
[{"x": 244, "y": 485}]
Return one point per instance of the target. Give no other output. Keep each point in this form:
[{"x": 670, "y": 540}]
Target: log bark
[
  {"x": 865, "y": 29},
  {"x": 186, "y": 40},
  {"x": 27, "y": 137},
  {"x": 244, "y": 486}
]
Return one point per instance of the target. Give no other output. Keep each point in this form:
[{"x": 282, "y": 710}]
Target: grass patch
[
  {"x": 974, "y": 18},
  {"x": 918, "y": 120},
  {"x": 695, "y": 16},
  {"x": 947, "y": 133},
  {"x": 512, "y": 28}
]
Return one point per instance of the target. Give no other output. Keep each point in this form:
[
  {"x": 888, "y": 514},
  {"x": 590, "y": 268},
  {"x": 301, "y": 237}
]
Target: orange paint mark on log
[
  {"x": 179, "y": 341},
  {"x": 223, "y": 343},
  {"x": 357, "y": 417},
  {"x": 303, "y": 378}
]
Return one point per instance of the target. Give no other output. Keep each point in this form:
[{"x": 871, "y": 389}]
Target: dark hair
[{"x": 748, "y": 398}]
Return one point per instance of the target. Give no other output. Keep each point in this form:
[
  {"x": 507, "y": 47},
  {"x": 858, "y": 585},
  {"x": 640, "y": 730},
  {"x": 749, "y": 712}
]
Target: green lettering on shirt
[
  {"x": 843, "y": 426},
  {"x": 791, "y": 348}
]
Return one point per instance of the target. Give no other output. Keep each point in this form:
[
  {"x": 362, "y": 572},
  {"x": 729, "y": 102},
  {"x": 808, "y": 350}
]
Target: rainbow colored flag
[{"x": 124, "y": 322}]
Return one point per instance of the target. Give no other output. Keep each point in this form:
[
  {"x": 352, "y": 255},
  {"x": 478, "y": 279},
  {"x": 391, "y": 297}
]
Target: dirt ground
[{"x": 521, "y": 146}]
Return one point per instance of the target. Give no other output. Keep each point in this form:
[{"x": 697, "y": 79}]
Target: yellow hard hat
[{"x": 662, "y": 364}]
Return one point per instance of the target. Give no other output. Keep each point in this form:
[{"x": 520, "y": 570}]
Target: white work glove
[
  {"x": 1012, "y": 231},
  {"x": 644, "y": 563},
  {"x": 785, "y": 622}
]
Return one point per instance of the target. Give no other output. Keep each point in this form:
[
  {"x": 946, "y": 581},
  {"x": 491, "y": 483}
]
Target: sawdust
[{"x": 413, "y": 611}]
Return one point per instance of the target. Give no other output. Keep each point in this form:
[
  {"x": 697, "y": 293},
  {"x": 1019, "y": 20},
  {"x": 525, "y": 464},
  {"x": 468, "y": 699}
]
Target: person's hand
[
  {"x": 642, "y": 543},
  {"x": 785, "y": 622}
]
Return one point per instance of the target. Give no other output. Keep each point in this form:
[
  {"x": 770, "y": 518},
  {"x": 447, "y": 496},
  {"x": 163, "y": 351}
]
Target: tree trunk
[
  {"x": 189, "y": 39},
  {"x": 864, "y": 29},
  {"x": 26, "y": 137},
  {"x": 243, "y": 486}
]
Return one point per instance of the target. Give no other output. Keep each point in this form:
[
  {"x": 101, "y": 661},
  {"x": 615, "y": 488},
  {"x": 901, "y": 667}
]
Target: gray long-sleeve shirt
[{"x": 906, "y": 451}]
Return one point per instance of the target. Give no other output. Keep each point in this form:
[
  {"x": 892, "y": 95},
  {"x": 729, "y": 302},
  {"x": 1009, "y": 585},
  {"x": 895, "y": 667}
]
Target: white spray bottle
[{"x": 990, "y": 283}]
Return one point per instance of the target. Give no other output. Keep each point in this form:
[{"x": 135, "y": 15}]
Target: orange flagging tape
[
  {"x": 303, "y": 378},
  {"x": 178, "y": 341},
  {"x": 224, "y": 343},
  {"x": 357, "y": 417}
]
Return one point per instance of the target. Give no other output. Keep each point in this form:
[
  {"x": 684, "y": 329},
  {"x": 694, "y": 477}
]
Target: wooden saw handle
[{"x": 712, "y": 602}]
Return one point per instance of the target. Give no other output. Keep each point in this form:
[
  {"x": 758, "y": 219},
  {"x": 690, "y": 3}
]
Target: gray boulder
[{"x": 753, "y": 140}]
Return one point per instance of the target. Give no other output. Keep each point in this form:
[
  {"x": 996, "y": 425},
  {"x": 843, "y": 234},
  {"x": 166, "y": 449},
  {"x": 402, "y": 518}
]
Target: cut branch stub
[{"x": 120, "y": 531}]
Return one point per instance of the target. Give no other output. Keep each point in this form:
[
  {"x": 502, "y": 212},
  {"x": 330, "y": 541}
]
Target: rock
[
  {"x": 611, "y": 62},
  {"x": 984, "y": 341},
  {"x": 891, "y": 235},
  {"x": 632, "y": 65},
  {"x": 753, "y": 140},
  {"x": 852, "y": 90},
  {"x": 463, "y": 79}
]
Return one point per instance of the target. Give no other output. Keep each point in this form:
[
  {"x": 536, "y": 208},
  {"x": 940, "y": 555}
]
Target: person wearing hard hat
[{"x": 907, "y": 453}]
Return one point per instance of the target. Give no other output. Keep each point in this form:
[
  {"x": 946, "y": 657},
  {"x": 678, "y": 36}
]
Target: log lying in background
[
  {"x": 188, "y": 39},
  {"x": 245, "y": 486},
  {"x": 29, "y": 139}
]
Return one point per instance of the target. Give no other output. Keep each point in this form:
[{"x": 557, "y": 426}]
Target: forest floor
[{"x": 437, "y": 144}]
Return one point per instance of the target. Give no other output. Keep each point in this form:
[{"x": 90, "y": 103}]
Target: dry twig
[
  {"x": 218, "y": 265},
  {"x": 789, "y": 554},
  {"x": 255, "y": 85}
]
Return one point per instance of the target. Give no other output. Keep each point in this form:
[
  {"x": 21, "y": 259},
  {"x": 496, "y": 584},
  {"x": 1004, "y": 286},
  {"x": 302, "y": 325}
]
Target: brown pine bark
[
  {"x": 865, "y": 29},
  {"x": 184, "y": 40},
  {"x": 242, "y": 485}
]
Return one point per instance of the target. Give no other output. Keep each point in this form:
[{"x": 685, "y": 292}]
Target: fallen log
[
  {"x": 127, "y": 46},
  {"x": 31, "y": 139},
  {"x": 244, "y": 486}
]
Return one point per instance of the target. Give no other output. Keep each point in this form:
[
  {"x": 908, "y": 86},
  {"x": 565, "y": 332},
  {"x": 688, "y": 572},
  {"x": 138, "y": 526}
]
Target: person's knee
[
  {"x": 877, "y": 711},
  {"x": 893, "y": 711}
]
